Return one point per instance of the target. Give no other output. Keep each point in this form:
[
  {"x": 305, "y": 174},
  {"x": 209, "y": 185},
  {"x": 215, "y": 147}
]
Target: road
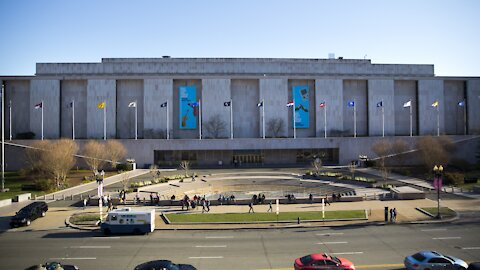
[{"x": 369, "y": 247}]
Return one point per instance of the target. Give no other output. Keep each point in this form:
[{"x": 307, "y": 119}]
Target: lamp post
[
  {"x": 100, "y": 193},
  {"x": 437, "y": 183}
]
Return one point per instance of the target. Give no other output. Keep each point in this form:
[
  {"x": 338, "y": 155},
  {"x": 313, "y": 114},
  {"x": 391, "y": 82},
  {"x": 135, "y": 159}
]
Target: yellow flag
[
  {"x": 101, "y": 105},
  {"x": 435, "y": 104}
]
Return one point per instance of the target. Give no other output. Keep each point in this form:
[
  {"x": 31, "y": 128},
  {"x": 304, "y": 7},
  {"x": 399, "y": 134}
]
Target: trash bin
[{"x": 386, "y": 213}]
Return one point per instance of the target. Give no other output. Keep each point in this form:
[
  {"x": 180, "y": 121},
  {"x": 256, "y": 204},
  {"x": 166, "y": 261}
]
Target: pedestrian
[
  {"x": 391, "y": 215},
  {"x": 151, "y": 198},
  {"x": 110, "y": 206},
  {"x": 84, "y": 203},
  {"x": 394, "y": 214},
  {"x": 251, "y": 208},
  {"x": 204, "y": 206},
  {"x": 326, "y": 200},
  {"x": 208, "y": 205},
  {"x": 310, "y": 197},
  {"x": 270, "y": 209},
  {"x": 334, "y": 197}
]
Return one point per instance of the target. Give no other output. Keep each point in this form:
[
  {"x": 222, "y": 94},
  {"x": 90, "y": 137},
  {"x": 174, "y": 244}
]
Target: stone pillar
[
  {"x": 157, "y": 92},
  {"x": 274, "y": 92},
  {"x": 215, "y": 93},
  {"x": 330, "y": 92},
  {"x": 47, "y": 91},
  {"x": 381, "y": 91},
  {"x": 430, "y": 91},
  {"x": 473, "y": 107},
  {"x": 99, "y": 91}
]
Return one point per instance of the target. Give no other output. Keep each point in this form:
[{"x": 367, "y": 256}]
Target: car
[
  {"x": 163, "y": 265},
  {"x": 27, "y": 214},
  {"x": 432, "y": 260},
  {"x": 322, "y": 261},
  {"x": 474, "y": 266},
  {"x": 53, "y": 266}
]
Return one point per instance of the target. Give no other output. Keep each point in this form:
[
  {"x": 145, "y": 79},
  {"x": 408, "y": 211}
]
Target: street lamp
[
  {"x": 100, "y": 193},
  {"x": 437, "y": 183}
]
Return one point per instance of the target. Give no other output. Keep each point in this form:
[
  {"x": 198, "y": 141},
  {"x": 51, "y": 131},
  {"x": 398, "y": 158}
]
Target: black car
[
  {"x": 163, "y": 265},
  {"x": 474, "y": 266},
  {"x": 53, "y": 266},
  {"x": 29, "y": 213}
]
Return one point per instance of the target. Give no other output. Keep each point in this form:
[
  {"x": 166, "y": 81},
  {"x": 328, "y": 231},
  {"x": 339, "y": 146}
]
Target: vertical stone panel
[
  {"x": 185, "y": 133},
  {"x": 129, "y": 91},
  {"x": 245, "y": 95},
  {"x": 19, "y": 93},
  {"x": 473, "y": 106},
  {"x": 74, "y": 90},
  {"x": 275, "y": 94},
  {"x": 47, "y": 91},
  {"x": 430, "y": 91},
  {"x": 405, "y": 91},
  {"x": 355, "y": 90},
  {"x": 330, "y": 92},
  {"x": 157, "y": 92},
  {"x": 97, "y": 92},
  {"x": 215, "y": 93},
  {"x": 310, "y": 131},
  {"x": 381, "y": 91},
  {"x": 454, "y": 92}
]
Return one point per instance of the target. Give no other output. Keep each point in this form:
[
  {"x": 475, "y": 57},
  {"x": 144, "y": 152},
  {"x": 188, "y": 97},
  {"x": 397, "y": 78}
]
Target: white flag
[
  {"x": 132, "y": 104},
  {"x": 407, "y": 104}
]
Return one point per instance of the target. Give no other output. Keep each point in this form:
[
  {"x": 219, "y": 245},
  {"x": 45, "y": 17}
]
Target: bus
[{"x": 126, "y": 220}]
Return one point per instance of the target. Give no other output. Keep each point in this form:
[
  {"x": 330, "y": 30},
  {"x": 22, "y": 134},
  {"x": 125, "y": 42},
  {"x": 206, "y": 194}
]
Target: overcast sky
[{"x": 443, "y": 33}]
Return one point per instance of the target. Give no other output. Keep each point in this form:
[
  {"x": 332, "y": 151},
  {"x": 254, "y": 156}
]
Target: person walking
[
  {"x": 310, "y": 198},
  {"x": 251, "y": 208},
  {"x": 270, "y": 209},
  {"x": 84, "y": 203},
  {"x": 394, "y": 212},
  {"x": 326, "y": 200},
  {"x": 391, "y": 215}
]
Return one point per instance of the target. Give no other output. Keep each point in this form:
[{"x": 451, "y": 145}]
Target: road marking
[
  {"x": 211, "y": 257},
  {"x": 224, "y": 246},
  {"x": 91, "y": 247},
  {"x": 470, "y": 248},
  {"x": 369, "y": 266},
  {"x": 84, "y": 258},
  {"x": 328, "y": 234},
  {"x": 106, "y": 237},
  {"x": 218, "y": 237},
  {"x": 447, "y": 238},
  {"x": 331, "y": 243},
  {"x": 433, "y": 230},
  {"x": 347, "y": 253}
]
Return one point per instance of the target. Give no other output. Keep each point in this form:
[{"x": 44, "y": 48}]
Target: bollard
[
  {"x": 298, "y": 220},
  {"x": 386, "y": 213}
]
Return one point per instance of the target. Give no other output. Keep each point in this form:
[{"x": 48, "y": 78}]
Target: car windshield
[
  {"x": 419, "y": 257},
  {"x": 337, "y": 260},
  {"x": 306, "y": 259}
]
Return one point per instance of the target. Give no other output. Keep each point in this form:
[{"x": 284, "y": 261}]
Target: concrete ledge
[
  {"x": 5, "y": 202},
  {"x": 476, "y": 189},
  {"x": 407, "y": 193},
  {"x": 22, "y": 197}
]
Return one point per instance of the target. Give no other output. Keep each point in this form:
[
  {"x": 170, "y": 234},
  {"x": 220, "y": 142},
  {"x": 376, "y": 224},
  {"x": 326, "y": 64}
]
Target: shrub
[{"x": 454, "y": 178}]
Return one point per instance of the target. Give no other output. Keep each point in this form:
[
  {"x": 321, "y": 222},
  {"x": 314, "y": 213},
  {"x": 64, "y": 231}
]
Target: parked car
[
  {"x": 322, "y": 261},
  {"x": 29, "y": 213},
  {"x": 432, "y": 260},
  {"x": 53, "y": 266},
  {"x": 474, "y": 266},
  {"x": 163, "y": 265}
]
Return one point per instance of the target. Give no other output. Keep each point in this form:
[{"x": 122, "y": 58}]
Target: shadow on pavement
[
  {"x": 72, "y": 234},
  {"x": 4, "y": 224}
]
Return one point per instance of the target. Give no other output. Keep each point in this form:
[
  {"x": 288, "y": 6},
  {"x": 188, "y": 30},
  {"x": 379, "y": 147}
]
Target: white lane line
[
  {"x": 90, "y": 247},
  {"x": 211, "y": 257},
  {"x": 470, "y": 247},
  {"x": 433, "y": 230},
  {"x": 224, "y": 246},
  {"x": 218, "y": 237},
  {"x": 447, "y": 238},
  {"x": 331, "y": 243},
  {"x": 84, "y": 258},
  {"x": 106, "y": 237},
  {"x": 347, "y": 253},
  {"x": 328, "y": 234}
]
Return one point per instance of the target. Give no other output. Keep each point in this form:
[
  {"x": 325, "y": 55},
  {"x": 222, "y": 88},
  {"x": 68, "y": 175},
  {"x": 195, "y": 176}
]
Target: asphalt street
[{"x": 369, "y": 247}]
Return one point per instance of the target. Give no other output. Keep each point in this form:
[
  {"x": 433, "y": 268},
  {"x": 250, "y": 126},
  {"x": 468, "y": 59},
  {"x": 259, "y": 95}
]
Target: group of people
[
  {"x": 196, "y": 201},
  {"x": 225, "y": 199},
  {"x": 393, "y": 215},
  {"x": 154, "y": 198}
]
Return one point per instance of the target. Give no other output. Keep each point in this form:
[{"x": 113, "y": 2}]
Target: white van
[{"x": 126, "y": 220}]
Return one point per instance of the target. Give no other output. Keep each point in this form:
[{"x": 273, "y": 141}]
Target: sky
[{"x": 438, "y": 32}]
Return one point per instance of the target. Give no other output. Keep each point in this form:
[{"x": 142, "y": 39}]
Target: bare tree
[
  {"x": 154, "y": 172},
  {"x": 95, "y": 155},
  {"x": 33, "y": 156},
  {"x": 435, "y": 151},
  {"x": 185, "y": 165},
  {"x": 215, "y": 126},
  {"x": 382, "y": 148},
  {"x": 115, "y": 151},
  {"x": 275, "y": 126},
  {"x": 125, "y": 180},
  {"x": 59, "y": 159},
  {"x": 317, "y": 165}
]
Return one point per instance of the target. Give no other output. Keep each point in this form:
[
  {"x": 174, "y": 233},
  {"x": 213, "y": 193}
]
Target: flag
[
  {"x": 101, "y": 105},
  {"x": 380, "y": 104},
  {"x": 163, "y": 104},
  {"x": 351, "y": 104},
  {"x": 132, "y": 104},
  {"x": 194, "y": 104},
  {"x": 39, "y": 105},
  {"x": 227, "y": 103},
  {"x": 70, "y": 104},
  {"x": 10, "y": 104},
  {"x": 407, "y": 104},
  {"x": 435, "y": 104},
  {"x": 461, "y": 103},
  {"x": 290, "y": 104},
  {"x": 322, "y": 105},
  {"x": 260, "y": 104}
]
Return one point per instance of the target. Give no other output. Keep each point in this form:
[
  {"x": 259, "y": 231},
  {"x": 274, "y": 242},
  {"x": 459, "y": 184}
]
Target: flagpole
[
  {"x": 73, "y": 119},
  {"x": 294, "y": 126},
  {"x": 438, "y": 120},
  {"x": 231, "y": 119},
  {"x": 411, "y": 125},
  {"x": 263, "y": 118},
  {"x": 168, "y": 136},
  {"x": 354, "y": 119},
  {"x": 200, "y": 118},
  {"x": 104, "y": 120},
  {"x": 10, "y": 118},
  {"x": 325, "y": 119},
  {"x": 3, "y": 138},
  {"x": 42, "y": 120},
  {"x": 383, "y": 121},
  {"x": 136, "y": 123}
]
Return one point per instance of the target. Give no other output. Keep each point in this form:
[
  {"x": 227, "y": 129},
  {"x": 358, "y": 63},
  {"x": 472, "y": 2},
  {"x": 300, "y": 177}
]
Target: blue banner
[
  {"x": 300, "y": 97},
  {"x": 188, "y": 107}
]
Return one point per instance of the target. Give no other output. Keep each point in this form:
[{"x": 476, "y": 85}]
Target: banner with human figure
[
  {"x": 302, "y": 103},
  {"x": 188, "y": 107}
]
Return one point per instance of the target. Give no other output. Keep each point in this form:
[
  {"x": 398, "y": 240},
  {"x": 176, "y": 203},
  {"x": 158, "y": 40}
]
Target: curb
[{"x": 78, "y": 227}]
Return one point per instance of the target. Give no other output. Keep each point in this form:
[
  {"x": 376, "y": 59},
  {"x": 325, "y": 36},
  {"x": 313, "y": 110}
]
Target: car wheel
[
  {"x": 107, "y": 232},
  {"x": 44, "y": 213},
  {"x": 28, "y": 222}
]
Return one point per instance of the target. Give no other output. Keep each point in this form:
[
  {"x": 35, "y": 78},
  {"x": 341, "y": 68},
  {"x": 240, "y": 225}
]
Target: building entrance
[{"x": 254, "y": 157}]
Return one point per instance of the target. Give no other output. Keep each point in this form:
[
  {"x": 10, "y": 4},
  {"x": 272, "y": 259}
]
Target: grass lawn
[
  {"x": 84, "y": 219},
  {"x": 272, "y": 217},
  {"x": 444, "y": 211}
]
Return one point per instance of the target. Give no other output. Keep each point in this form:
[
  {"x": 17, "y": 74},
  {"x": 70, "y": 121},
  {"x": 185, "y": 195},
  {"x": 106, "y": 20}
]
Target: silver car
[{"x": 432, "y": 260}]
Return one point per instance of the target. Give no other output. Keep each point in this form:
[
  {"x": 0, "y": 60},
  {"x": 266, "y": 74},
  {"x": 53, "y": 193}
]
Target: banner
[
  {"x": 188, "y": 107},
  {"x": 300, "y": 97}
]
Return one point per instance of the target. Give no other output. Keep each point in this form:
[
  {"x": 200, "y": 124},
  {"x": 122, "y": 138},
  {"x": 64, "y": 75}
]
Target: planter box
[{"x": 22, "y": 197}]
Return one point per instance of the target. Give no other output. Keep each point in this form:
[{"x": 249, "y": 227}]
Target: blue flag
[
  {"x": 351, "y": 104},
  {"x": 461, "y": 103},
  {"x": 380, "y": 104}
]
